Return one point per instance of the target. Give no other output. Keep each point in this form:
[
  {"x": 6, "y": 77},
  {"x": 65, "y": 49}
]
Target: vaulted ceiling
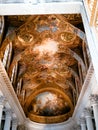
[{"x": 46, "y": 59}]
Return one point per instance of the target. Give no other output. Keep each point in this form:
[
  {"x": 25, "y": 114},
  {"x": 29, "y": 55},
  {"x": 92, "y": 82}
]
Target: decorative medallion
[
  {"x": 27, "y": 38},
  {"x": 67, "y": 36}
]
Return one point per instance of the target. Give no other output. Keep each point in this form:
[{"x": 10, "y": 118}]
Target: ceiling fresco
[
  {"x": 46, "y": 59},
  {"x": 49, "y": 104}
]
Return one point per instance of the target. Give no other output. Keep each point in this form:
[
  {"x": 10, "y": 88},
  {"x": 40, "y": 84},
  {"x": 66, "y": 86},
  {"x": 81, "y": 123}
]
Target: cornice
[
  {"x": 84, "y": 90},
  {"x": 9, "y": 94}
]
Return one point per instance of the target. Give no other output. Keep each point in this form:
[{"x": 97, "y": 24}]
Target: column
[
  {"x": 8, "y": 115},
  {"x": 83, "y": 123},
  {"x": 88, "y": 117},
  {"x": 14, "y": 123},
  {"x": 2, "y": 102},
  {"x": 94, "y": 104}
]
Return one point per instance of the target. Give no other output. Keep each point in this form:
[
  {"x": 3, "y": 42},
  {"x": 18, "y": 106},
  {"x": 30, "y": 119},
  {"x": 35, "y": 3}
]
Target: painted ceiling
[{"x": 48, "y": 61}]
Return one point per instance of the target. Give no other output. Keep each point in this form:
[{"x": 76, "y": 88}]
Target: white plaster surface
[
  {"x": 67, "y": 125},
  {"x": 39, "y": 8}
]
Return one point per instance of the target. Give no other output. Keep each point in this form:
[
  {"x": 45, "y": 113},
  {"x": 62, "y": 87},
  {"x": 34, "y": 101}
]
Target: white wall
[{"x": 59, "y": 126}]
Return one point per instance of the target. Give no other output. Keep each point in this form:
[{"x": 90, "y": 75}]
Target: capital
[
  {"x": 2, "y": 100},
  {"x": 82, "y": 121},
  {"x": 77, "y": 127},
  {"x": 87, "y": 112},
  {"x": 8, "y": 113},
  {"x": 94, "y": 99},
  {"x": 14, "y": 121}
]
